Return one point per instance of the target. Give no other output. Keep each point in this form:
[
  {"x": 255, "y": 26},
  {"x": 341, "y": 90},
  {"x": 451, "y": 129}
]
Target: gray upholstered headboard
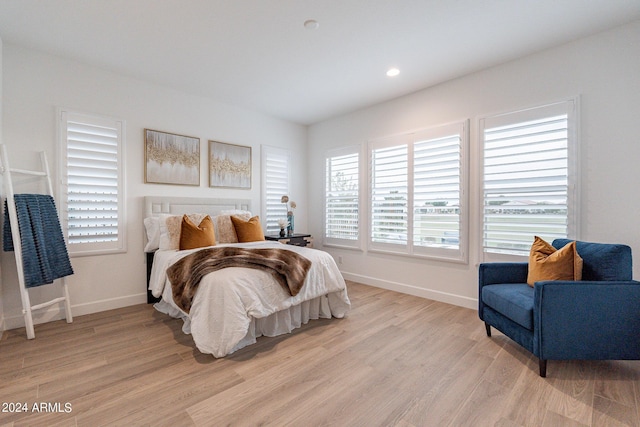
[{"x": 156, "y": 205}]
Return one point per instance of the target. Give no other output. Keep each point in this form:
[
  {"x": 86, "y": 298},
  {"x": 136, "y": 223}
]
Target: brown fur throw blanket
[{"x": 287, "y": 267}]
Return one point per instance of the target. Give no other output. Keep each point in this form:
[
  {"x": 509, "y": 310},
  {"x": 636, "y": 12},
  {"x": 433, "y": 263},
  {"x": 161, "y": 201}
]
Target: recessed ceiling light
[
  {"x": 392, "y": 72},
  {"x": 311, "y": 24}
]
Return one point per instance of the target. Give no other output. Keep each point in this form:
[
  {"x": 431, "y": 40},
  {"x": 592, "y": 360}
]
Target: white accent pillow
[
  {"x": 152, "y": 228},
  {"x": 236, "y": 212}
]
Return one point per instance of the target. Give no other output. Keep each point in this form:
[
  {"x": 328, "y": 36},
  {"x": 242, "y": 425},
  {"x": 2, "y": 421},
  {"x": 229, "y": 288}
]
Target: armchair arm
[
  {"x": 587, "y": 320},
  {"x": 493, "y": 273}
]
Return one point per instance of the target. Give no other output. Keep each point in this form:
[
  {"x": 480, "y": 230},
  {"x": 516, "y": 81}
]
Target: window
[
  {"x": 418, "y": 194},
  {"x": 91, "y": 191},
  {"x": 275, "y": 184},
  {"x": 529, "y": 176},
  {"x": 437, "y": 191},
  {"x": 342, "y": 197},
  {"x": 389, "y": 194}
]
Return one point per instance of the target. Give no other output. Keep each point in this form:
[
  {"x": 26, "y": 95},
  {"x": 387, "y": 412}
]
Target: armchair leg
[
  {"x": 543, "y": 367},
  {"x": 488, "y": 328}
]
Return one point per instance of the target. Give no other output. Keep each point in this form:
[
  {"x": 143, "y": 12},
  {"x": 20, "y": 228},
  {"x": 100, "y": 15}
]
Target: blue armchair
[{"x": 597, "y": 318}]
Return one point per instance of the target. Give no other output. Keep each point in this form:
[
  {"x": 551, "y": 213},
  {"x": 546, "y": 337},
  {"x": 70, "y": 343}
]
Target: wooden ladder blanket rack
[{"x": 15, "y": 236}]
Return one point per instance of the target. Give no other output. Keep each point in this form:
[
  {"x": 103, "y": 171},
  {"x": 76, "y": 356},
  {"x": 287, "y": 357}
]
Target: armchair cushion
[{"x": 513, "y": 300}]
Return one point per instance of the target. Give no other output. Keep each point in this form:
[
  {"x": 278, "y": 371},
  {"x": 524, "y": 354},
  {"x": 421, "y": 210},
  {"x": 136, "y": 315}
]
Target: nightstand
[{"x": 295, "y": 239}]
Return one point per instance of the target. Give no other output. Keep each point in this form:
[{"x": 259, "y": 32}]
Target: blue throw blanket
[{"x": 44, "y": 253}]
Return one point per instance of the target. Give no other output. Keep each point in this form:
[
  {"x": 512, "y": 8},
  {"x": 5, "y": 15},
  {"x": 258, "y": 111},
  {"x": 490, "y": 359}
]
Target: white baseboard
[
  {"x": 445, "y": 297},
  {"x": 56, "y": 311}
]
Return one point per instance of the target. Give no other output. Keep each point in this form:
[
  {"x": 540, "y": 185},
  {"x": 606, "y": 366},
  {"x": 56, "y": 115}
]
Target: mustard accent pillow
[
  {"x": 248, "y": 231},
  {"x": 547, "y": 263},
  {"x": 196, "y": 236},
  {"x": 170, "y": 228}
]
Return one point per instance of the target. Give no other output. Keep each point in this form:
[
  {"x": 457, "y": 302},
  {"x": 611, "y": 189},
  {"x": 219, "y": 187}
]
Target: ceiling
[{"x": 257, "y": 54}]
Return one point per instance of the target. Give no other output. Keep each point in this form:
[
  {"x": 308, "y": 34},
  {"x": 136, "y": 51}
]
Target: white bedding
[{"x": 234, "y": 306}]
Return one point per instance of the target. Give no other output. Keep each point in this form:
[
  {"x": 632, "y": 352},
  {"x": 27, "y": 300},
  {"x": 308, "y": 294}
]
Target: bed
[{"x": 234, "y": 306}]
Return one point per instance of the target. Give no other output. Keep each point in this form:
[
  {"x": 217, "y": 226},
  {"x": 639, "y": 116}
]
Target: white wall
[
  {"x": 602, "y": 69},
  {"x": 35, "y": 84}
]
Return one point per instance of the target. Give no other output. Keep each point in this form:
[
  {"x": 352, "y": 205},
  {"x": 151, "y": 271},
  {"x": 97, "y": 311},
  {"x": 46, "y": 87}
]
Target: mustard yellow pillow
[
  {"x": 248, "y": 231},
  {"x": 547, "y": 263},
  {"x": 196, "y": 236},
  {"x": 170, "y": 228}
]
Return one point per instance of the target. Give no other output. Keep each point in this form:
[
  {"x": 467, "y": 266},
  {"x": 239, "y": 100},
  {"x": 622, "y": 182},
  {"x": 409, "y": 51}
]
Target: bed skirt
[{"x": 278, "y": 323}]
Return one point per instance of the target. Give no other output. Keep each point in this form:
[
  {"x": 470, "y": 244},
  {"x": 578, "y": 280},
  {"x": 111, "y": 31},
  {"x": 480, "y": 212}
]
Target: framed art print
[
  {"x": 171, "y": 158},
  {"x": 229, "y": 165}
]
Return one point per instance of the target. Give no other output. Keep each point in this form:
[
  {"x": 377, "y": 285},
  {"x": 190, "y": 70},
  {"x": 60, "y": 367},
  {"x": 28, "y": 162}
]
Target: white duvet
[{"x": 235, "y": 305}]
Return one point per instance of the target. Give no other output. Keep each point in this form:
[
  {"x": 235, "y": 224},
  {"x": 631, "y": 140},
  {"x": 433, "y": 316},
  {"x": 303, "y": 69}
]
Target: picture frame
[
  {"x": 229, "y": 165},
  {"x": 171, "y": 158}
]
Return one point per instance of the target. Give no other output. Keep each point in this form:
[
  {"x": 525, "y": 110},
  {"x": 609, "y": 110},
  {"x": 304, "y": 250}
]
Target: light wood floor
[{"x": 395, "y": 360}]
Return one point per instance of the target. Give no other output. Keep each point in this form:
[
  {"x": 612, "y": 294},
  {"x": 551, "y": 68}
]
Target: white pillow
[
  {"x": 236, "y": 212},
  {"x": 152, "y": 228}
]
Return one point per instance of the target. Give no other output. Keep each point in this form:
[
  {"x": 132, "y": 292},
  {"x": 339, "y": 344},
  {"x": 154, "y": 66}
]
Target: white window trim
[
  {"x": 461, "y": 255},
  {"x": 573, "y": 192},
  {"x": 120, "y": 246},
  {"x": 346, "y": 243}
]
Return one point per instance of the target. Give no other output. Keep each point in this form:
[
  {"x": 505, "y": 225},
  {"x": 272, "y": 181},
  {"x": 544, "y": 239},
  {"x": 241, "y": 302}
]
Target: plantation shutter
[
  {"x": 527, "y": 183},
  {"x": 275, "y": 182},
  {"x": 342, "y": 197},
  {"x": 92, "y": 197},
  {"x": 389, "y": 194},
  {"x": 436, "y": 191}
]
